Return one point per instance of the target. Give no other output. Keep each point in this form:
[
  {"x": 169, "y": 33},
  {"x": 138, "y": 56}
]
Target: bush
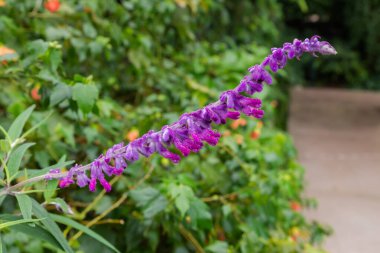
[{"x": 243, "y": 196}]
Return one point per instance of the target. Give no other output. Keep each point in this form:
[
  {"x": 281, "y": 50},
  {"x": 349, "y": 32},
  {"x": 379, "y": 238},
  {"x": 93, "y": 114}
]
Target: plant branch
[{"x": 189, "y": 236}]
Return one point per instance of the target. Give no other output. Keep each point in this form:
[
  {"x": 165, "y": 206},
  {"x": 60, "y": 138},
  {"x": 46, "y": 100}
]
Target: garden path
[{"x": 337, "y": 134}]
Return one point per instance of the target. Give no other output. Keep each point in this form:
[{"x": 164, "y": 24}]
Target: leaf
[
  {"x": 2, "y": 198},
  {"x": 89, "y": 30},
  {"x": 35, "y": 49},
  {"x": 151, "y": 201},
  {"x": 84, "y": 229},
  {"x": 37, "y": 125},
  {"x": 60, "y": 93},
  {"x": 61, "y": 205},
  {"x": 200, "y": 214},
  {"x": 18, "y": 124},
  {"x": 60, "y": 164},
  {"x": 218, "y": 247},
  {"x": 50, "y": 225},
  {"x": 55, "y": 58},
  {"x": 16, "y": 157},
  {"x": 85, "y": 96},
  {"x": 2, "y": 245},
  {"x": 144, "y": 196},
  {"x": 4, "y": 145},
  {"x": 12, "y": 223},
  {"x": 25, "y": 205},
  {"x": 182, "y": 195},
  {"x": 35, "y": 232},
  {"x": 156, "y": 206},
  {"x": 49, "y": 192}
]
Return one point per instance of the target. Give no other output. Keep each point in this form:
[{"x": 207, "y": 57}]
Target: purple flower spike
[
  {"x": 96, "y": 170},
  {"x": 65, "y": 182},
  {"x": 259, "y": 74},
  {"x": 233, "y": 115},
  {"x": 105, "y": 184},
  {"x": 82, "y": 179},
  {"x": 169, "y": 155},
  {"x": 131, "y": 153},
  {"x": 194, "y": 129},
  {"x": 92, "y": 185},
  {"x": 68, "y": 179}
]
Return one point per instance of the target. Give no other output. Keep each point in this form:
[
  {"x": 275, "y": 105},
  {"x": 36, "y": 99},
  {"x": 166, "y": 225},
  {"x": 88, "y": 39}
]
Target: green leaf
[
  {"x": 84, "y": 229},
  {"x": 200, "y": 214},
  {"x": 16, "y": 157},
  {"x": 85, "y": 96},
  {"x": 60, "y": 164},
  {"x": 61, "y": 205},
  {"x": 37, "y": 125},
  {"x": 49, "y": 192},
  {"x": 50, "y": 225},
  {"x": 2, "y": 245},
  {"x": 89, "y": 30},
  {"x": 144, "y": 195},
  {"x": 151, "y": 201},
  {"x": 35, "y": 232},
  {"x": 25, "y": 204},
  {"x": 4, "y": 146},
  {"x": 2, "y": 198},
  {"x": 6, "y": 135},
  {"x": 156, "y": 206},
  {"x": 60, "y": 93},
  {"x": 55, "y": 58},
  {"x": 12, "y": 223},
  {"x": 218, "y": 247},
  {"x": 182, "y": 195},
  {"x": 18, "y": 124},
  {"x": 35, "y": 50}
]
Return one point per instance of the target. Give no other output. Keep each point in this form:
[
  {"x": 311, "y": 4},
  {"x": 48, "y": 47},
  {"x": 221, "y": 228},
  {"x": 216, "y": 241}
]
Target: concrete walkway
[{"x": 337, "y": 133}]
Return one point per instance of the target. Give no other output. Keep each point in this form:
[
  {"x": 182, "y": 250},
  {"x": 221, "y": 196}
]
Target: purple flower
[
  {"x": 131, "y": 153},
  {"x": 92, "y": 185},
  {"x": 82, "y": 179},
  {"x": 105, "y": 184},
  {"x": 194, "y": 129}
]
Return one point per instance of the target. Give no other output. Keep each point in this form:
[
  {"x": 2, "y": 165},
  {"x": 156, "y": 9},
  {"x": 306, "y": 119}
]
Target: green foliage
[
  {"x": 352, "y": 27},
  {"x": 94, "y": 72}
]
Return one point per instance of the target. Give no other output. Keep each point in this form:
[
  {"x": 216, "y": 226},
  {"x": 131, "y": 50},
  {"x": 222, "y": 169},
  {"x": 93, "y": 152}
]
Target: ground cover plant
[{"x": 244, "y": 195}]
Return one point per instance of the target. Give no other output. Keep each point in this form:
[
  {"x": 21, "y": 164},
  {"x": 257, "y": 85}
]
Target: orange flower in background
[
  {"x": 52, "y": 5},
  {"x": 239, "y": 122},
  {"x": 255, "y": 134},
  {"x": 295, "y": 206},
  {"x": 239, "y": 139},
  {"x": 132, "y": 135},
  {"x": 227, "y": 133},
  {"x": 34, "y": 94},
  {"x": 2, "y": 3},
  {"x": 6, "y": 50}
]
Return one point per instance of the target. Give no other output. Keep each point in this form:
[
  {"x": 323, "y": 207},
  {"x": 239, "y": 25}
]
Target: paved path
[{"x": 337, "y": 133}]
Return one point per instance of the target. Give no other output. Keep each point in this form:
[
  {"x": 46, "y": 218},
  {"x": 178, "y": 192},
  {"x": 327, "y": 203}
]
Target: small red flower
[
  {"x": 255, "y": 134},
  {"x": 132, "y": 135},
  {"x": 239, "y": 122},
  {"x": 295, "y": 206},
  {"x": 52, "y": 5},
  {"x": 34, "y": 94}
]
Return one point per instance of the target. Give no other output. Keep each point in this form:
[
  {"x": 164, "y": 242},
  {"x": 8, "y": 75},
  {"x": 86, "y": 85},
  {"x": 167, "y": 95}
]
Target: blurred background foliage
[{"x": 109, "y": 71}]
